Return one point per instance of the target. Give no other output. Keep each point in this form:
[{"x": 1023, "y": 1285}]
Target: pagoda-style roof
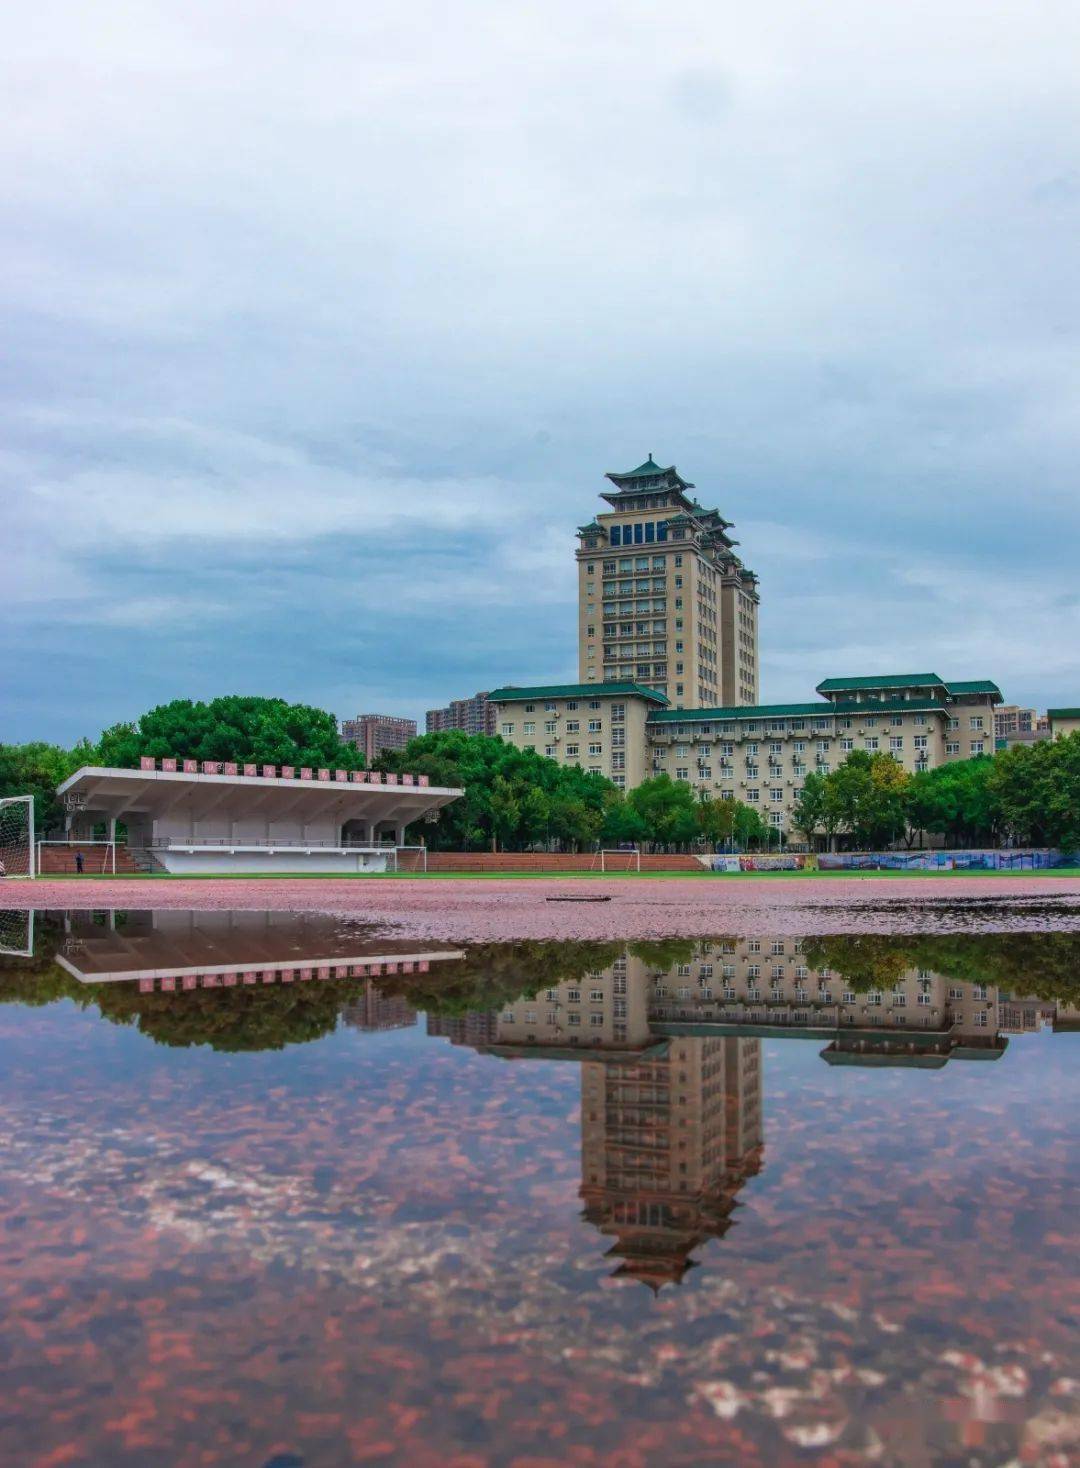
[
  {"x": 593, "y": 528},
  {"x": 630, "y": 478}
]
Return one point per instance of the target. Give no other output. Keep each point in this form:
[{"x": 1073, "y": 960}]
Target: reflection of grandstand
[
  {"x": 667, "y": 1142},
  {"x": 181, "y": 950}
]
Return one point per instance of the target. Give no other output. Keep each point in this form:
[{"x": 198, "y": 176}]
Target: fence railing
[{"x": 233, "y": 770}]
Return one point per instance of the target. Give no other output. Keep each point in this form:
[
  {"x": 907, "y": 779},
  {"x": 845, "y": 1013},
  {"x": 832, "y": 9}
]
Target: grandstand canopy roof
[{"x": 108, "y": 792}]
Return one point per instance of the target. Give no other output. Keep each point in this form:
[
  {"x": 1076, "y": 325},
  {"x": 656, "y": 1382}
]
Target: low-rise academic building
[
  {"x": 760, "y": 753},
  {"x": 601, "y": 727}
]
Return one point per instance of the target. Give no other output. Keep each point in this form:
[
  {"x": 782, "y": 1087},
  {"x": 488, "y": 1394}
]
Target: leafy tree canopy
[{"x": 234, "y": 727}]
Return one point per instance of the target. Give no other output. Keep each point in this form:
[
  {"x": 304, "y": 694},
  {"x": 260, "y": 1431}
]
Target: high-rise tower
[{"x": 663, "y": 599}]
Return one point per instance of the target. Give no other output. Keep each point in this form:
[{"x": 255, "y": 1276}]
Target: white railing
[{"x": 164, "y": 842}]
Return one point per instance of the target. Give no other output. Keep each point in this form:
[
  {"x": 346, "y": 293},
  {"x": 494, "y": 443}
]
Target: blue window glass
[
  {"x": 650, "y": 532},
  {"x": 639, "y": 534},
  {"x": 615, "y": 535},
  {"x": 661, "y": 532}
]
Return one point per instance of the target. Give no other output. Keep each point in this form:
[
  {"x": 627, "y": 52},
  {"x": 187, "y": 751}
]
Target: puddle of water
[{"x": 278, "y": 1189}]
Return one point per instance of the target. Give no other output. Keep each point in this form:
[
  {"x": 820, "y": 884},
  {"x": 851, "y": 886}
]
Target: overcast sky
[{"x": 323, "y": 323}]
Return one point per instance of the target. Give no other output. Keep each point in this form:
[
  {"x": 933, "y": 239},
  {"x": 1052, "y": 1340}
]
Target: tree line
[
  {"x": 514, "y": 798},
  {"x": 1028, "y": 794}
]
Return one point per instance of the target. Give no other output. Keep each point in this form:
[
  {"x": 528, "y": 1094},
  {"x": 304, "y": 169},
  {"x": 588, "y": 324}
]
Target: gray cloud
[{"x": 322, "y": 326}]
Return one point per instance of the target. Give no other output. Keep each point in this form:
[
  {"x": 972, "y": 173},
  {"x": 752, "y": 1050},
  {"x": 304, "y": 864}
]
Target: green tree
[
  {"x": 1037, "y": 790},
  {"x": 716, "y": 820},
  {"x": 512, "y": 797},
  {"x": 37, "y": 769},
  {"x": 666, "y": 807},
  {"x": 810, "y": 814},
  {"x": 867, "y": 795},
  {"x": 748, "y": 827},
  {"x": 956, "y": 800},
  {"x": 251, "y": 729}
]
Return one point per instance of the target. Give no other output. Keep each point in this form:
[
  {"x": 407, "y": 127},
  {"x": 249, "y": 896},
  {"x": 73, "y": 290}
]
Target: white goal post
[
  {"x": 17, "y": 848},
  {"x": 16, "y": 933},
  {"x": 409, "y": 859},
  {"x": 617, "y": 859},
  {"x": 99, "y": 857}
]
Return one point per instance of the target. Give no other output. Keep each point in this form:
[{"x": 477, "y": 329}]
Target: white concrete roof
[{"x": 114, "y": 792}]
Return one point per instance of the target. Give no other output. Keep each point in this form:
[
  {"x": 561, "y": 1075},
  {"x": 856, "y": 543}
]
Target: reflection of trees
[
  {"x": 236, "y": 1019},
  {"x": 269, "y": 1017},
  {"x": 494, "y": 974},
  {"x": 1042, "y": 965},
  {"x": 38, "y": 981}
]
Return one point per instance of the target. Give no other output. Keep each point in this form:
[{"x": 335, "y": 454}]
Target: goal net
[
  {"x": 617, "y": 859},
  {"x": 409, "y": 859},
  {"x": 17, "y": 836},
  {"x": 16, "y": 933}
]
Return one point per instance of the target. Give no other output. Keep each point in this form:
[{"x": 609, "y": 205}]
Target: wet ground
[
  {"x": 290, "y": 1190},
  {"x": 490, "y": 909}
]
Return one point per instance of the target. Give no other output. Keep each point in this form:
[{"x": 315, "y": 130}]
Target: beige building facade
[
  {"x": 663, "y": 598},
  {"x": 1063, "y": 721},
  {"x": 762, "y": 755},
  {"x": 601, "y": 728},
  {"x": 759, "y": 754}
]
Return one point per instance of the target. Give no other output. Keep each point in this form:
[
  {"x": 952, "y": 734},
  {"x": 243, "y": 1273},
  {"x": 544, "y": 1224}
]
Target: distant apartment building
[
  {"x": 371, "y": 1009},
  {"x": 759, "y": 754},
  {"x": 1063, "y": 721},
  {"x": 1016, "y": 725},
  {"x": 1010, "y": 718},
  {"x": 663, "y": 598},
  {"x": 372, "y": 733},
  {"x": 472, "y": 715}
]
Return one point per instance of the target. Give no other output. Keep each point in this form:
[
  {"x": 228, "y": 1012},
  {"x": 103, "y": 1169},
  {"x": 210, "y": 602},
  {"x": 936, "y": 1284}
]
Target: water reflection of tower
[
  {"x": 370, "y": 1009},
  {"x": 667, "y": 1143}
]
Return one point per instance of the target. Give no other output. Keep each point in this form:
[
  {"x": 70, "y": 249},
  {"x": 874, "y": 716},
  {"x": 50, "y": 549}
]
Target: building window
[
  {"x": 508, "y": 728},
  {"x": 528, "y": 727},
  {"x": 572, "y": 751},
  {"x": 595, "y": 750}
]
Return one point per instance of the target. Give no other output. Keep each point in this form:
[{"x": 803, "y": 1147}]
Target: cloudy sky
[{"x": 323, "y": 323}]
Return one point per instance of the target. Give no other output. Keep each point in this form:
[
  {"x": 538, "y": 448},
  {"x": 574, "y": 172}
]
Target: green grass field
[{"x": 545, "y": 876}]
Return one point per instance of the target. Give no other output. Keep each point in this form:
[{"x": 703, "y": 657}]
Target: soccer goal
[
  {"x": 16, "y": 933},
  {"x": 98, "y": 857},
  {"x": 409, "y": 859},
  {"x": 17, "y": 836},
  {"x": 617, "y": 859}
]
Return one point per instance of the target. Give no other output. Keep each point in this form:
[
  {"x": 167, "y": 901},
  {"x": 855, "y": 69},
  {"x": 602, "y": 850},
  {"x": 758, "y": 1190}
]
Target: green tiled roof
[
  {"x": 1063, "y": 713},
  {"x": 643, "y": 471},
  {"x": 818, "y": 710},
  {"x": 576, "y": 690},
  {"x": 648, "y": 470},
  {"x": 886, "y": 680},
  {"x": 975, "y": 685}
]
